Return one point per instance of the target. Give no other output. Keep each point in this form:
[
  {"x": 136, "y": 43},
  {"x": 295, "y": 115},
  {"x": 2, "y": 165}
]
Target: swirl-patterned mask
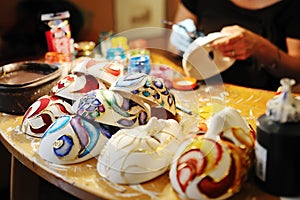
[
  {"x": 42, "y": 113},
  {"x": 109, "y": 107},
  {"x": 151, "y": 89},
  {"x": 71, "y": 139},
  {"x": 214, "y": 165},
  {"x": 106, "y": 71},
  {"x": 74, "y": 86}
]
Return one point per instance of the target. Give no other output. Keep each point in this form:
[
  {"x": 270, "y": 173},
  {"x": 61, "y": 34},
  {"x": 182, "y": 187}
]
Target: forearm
[{"x": 276, "y": 61}]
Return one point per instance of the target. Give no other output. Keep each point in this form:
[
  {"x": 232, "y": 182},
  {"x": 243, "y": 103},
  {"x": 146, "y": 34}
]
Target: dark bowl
[{"x": 22, "y": 83}]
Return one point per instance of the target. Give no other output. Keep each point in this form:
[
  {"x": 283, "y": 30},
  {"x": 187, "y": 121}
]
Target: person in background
[
  {"x": 263, "y": 37},
  {"x": 25, "y": 39}
]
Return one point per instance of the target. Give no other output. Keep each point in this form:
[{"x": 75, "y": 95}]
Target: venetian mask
[
  {"x": 141, "y": 153},
  {"x": 71, "y": 139},
  {"x": 214, "y": 165},
  {"x": 109, "y": 107},
  {"x": 74, "y": 86},
  {"x": 151, "y": 89},
  {"x": 106, "y": 71},
  {"x": 42, "y": 113}
]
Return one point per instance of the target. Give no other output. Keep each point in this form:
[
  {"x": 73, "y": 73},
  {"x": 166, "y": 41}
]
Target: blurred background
[
  {"x": 22, "y": 35},
  {"x": 22, "y": 31}
]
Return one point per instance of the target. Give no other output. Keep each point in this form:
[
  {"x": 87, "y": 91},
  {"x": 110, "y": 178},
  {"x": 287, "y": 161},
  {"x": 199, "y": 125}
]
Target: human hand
[
  {"x": 239, "y": 44},
  {"x": 180, "y": 37}
]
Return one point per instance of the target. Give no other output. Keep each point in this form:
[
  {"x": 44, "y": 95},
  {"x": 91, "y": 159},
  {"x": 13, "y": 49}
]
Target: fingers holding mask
[{"x": 239, "y": 43}]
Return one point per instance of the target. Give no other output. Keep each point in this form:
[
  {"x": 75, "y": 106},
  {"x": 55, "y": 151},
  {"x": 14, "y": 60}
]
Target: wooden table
[{"x": 83, "y": 181}]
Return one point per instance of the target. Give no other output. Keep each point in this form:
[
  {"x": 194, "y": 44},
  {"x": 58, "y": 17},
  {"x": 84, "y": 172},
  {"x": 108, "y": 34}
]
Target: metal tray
[{"x": 22, "y": 83}]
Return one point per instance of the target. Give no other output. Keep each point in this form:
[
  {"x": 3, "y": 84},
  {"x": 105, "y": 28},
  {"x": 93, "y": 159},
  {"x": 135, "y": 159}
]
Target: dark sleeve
[
  {"x": 293, "y": 17},
  {"x": 190, "y": 5}
]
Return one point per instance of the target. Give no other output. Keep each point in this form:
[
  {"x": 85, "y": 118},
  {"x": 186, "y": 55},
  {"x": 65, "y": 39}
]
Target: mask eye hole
[{"x": 211, "y": 55}]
